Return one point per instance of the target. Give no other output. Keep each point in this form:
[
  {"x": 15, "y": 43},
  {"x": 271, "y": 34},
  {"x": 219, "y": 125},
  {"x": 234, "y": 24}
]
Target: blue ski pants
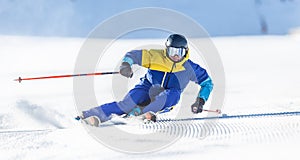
[{"x": 151, "y": 97}]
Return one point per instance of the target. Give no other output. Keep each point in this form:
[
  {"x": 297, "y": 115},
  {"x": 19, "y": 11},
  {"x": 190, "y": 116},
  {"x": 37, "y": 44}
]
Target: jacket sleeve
[
  {"x": 201, "y": 77},
  {"x": 206, "y": 88},
  {"x": 134, "y": 57}
]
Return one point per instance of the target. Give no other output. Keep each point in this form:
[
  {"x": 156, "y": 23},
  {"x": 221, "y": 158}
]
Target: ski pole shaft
[
  {"x": 64, "y": 76},
  {"x": 215, "y": 111}
]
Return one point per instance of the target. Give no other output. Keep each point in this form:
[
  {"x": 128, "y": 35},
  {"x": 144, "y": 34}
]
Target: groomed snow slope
[{"x": 36, "y": 117}]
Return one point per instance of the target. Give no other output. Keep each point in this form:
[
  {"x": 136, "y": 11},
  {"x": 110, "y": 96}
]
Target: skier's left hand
[{"x": 197, "y": 107}]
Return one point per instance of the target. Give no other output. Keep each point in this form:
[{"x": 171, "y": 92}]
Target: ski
[
  {"x": 146, "y": 118},
  {"x": 94, "y": 121}
]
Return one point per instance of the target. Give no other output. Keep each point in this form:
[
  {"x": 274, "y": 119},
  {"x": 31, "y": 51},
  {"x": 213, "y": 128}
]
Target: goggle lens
[{"x": 180, "y": 52}]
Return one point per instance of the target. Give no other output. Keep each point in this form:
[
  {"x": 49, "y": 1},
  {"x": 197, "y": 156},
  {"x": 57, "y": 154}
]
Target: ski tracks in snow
[
  {"x": 260, "y": 128},
  {"x": 23, "y": 139},
  {"x": 234, "y": 129}
]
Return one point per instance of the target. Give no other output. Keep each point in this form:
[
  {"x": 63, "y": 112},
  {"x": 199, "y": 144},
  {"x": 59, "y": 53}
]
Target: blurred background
[{"x": 76, "y": 18}]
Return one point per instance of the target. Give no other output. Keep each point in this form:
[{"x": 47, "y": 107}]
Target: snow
[{"x": 36, "y": 117}]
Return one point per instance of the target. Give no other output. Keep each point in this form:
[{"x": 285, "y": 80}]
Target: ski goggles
[{"x": 172, "y": 51}]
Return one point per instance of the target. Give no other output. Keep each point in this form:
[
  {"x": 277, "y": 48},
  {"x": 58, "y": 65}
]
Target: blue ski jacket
[{"x": 168, "y": 74}]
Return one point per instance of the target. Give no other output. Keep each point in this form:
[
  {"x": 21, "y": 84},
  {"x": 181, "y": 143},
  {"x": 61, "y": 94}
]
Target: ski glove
[
  {"x": 197, "y": 107},
  {"x": 125, "y": 70}
]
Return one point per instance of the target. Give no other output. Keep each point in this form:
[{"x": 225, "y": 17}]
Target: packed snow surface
[{"x": 262, "y": 76}]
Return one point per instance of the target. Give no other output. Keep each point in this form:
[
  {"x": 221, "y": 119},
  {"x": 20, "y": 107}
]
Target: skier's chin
[{"x": 175, "y": 59}]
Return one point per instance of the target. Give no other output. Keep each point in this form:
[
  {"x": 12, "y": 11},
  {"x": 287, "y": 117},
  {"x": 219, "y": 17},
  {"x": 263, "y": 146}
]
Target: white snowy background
[
  {"x": 36, "y": 117},
  {"x": 262, "y": 76}
]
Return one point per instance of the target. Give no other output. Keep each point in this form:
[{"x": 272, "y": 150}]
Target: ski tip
[
  {"x": 77, "y": 118},
  {"x": 218, "y": 111}
]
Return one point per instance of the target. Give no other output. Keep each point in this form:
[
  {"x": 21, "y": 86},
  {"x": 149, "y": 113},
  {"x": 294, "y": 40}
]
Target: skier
[{"x": 169, "y": 72}]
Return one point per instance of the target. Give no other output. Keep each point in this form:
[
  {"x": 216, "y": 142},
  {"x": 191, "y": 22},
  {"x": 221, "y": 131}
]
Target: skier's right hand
[{"x": 125, "y": 70}]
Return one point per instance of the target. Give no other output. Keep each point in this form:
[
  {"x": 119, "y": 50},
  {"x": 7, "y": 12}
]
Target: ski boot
[
  {"x": 92, "y": 120},
  {"x": 149, "y": 117},
  {"x": 135, "y": 112}
]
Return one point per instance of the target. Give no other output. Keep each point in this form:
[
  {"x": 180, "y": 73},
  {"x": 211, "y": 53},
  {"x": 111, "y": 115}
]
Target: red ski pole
[
  {"x": 216, "y": 111},
  {"x": 64, "y": 76}
]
